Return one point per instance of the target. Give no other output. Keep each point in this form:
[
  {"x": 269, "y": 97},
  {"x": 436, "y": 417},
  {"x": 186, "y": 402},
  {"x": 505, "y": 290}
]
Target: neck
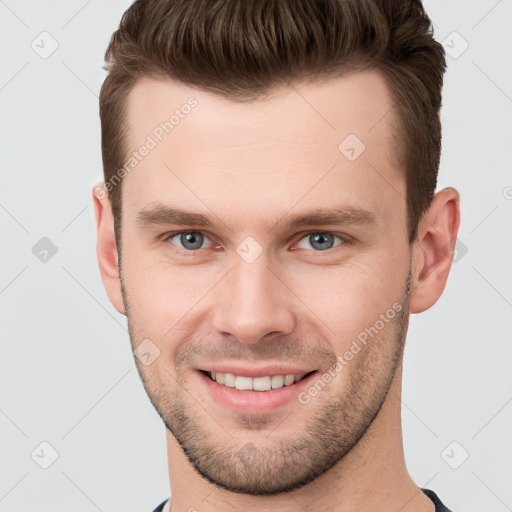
[{"x": 372, "y": 477}]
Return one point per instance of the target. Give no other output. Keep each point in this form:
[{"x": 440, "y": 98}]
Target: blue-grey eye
[
  {"x": 320, "y": 241},
  {"x": 191, "y": 240}
]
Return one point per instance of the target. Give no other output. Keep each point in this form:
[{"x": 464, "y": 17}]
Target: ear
[
  {"x": 434, "y": 249},
  {"x": 106, "y": 249}
]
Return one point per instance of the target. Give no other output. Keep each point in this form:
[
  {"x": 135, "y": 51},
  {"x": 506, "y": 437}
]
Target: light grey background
[{"x": 67, "y": 372}]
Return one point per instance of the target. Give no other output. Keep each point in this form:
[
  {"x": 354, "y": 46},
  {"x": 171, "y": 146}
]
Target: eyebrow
[{"x": 159, "y": 214}]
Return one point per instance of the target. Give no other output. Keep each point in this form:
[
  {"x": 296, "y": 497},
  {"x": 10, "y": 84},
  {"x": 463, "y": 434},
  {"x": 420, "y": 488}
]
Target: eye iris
[
  {"x": 320, "y": 238},
  {"x": 194, "y": 238}
]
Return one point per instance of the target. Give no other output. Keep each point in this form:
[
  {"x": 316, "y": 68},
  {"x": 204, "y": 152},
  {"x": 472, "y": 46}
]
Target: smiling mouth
[{"x": 265, "y": 383}]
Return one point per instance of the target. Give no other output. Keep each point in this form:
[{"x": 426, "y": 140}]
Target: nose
[{"x": 253, "y": 302}]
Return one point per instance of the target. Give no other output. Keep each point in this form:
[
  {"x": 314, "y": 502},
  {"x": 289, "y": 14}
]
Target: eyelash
[{"x": 186, "y": 252}]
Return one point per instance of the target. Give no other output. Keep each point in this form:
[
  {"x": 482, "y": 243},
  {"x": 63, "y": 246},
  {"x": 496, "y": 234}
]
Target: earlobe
[
  {"x": 106, "y": 248},
  {"x": 434, "y": 249}
]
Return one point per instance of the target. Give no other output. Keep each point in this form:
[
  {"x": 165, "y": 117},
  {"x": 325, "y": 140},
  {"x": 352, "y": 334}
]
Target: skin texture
[{"x": 249, "y": 166}]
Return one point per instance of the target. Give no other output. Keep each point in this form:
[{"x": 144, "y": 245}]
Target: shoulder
[
  {"x": 160, "y": 507},
  {"x": 440, "y": 507}
]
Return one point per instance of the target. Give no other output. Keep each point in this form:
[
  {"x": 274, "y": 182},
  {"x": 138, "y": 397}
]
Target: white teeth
[
  {"x": 261, "y": 383},
  {"x": 229, "y": 379},
  {"x": 277, "y": 381},
  {"x": 243, "y": 382},
  {"x": 257, "y": 383},
  {"x": 289, "y": 379}
]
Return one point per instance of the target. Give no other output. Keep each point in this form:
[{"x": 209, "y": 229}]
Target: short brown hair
[{"x": 242, "y": 49}]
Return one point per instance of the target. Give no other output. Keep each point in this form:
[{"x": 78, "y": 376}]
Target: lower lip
[{"x": 247, "y": 401}]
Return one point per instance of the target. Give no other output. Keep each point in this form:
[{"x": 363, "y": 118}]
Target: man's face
[{"x": 255, "y": 294}]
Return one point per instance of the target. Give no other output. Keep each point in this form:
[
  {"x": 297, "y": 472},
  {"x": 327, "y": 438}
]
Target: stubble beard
[{"x": 272, "y": 464}]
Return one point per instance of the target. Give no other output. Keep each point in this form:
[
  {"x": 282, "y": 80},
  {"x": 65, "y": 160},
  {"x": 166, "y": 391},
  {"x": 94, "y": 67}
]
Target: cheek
[
  {"x": 345, "y": 301},
  {"x": 161, "y": 295}
]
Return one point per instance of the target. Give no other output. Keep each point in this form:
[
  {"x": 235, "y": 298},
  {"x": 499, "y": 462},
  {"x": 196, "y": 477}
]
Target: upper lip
[{"x": 246, "y": 371}]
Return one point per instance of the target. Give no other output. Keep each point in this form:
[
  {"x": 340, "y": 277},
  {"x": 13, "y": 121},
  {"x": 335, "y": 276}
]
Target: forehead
[
  {"x": 278, "y": 145},
  {"x": 354, "y": 103}
]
